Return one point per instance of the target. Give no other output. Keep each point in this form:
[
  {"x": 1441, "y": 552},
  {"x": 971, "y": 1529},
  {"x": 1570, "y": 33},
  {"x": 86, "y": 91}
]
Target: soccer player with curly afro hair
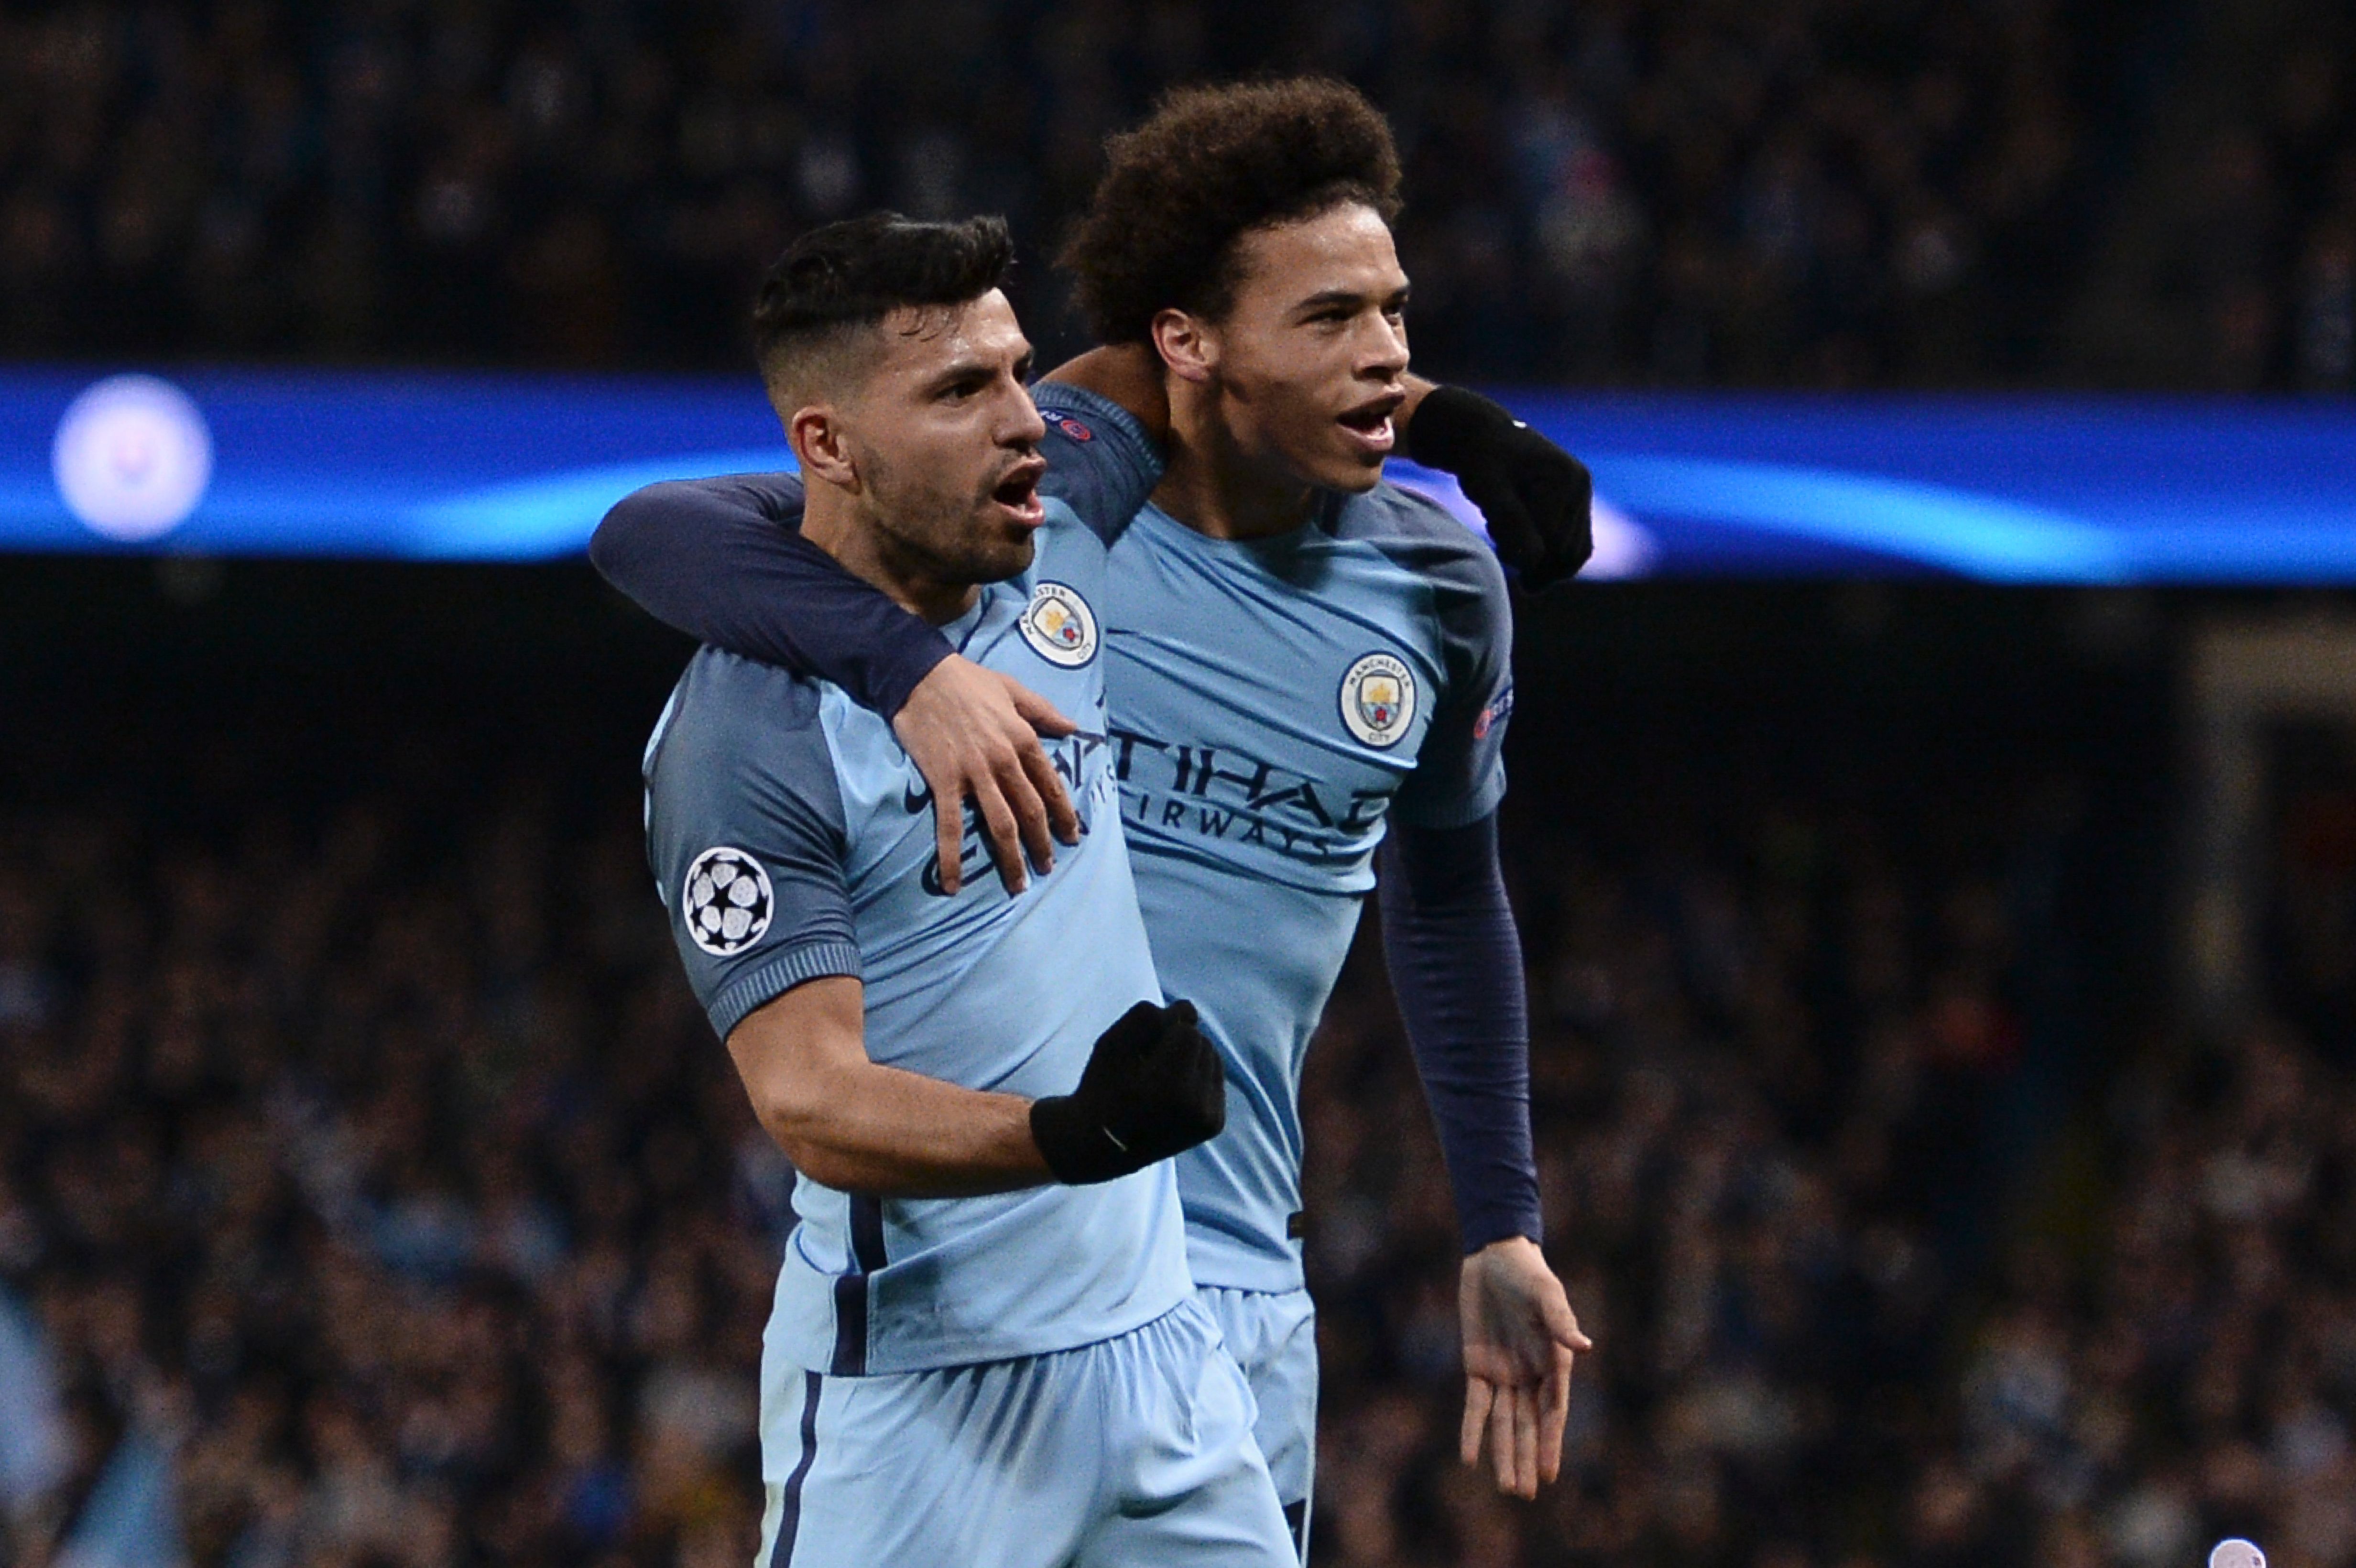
[{"x": 1309, "y": 680}]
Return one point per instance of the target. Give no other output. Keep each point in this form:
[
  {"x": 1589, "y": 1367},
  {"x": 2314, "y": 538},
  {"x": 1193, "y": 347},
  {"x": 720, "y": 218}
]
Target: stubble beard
[{"x": 940, "y": 537}]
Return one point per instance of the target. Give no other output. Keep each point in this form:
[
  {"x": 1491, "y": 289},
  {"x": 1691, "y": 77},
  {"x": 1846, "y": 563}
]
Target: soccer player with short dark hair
[
  {"x": 1311, "y": 671},
  {"x": 985, "y": 1348}
]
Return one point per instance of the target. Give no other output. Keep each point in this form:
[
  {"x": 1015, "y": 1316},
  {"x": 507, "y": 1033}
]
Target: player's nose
[
  {"x": 1024, "y": 427},
  {"x": 1385, "y": 350}
]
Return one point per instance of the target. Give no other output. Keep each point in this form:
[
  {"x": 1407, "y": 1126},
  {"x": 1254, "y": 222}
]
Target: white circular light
[
  {"x": 133, "y": 458},
  {"x": 2235, "y": 1552}
]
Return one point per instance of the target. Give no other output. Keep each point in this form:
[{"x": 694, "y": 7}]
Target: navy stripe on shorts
[{"x": 789, "y": 1510}]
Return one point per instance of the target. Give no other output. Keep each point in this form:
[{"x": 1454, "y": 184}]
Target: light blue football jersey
[
  {"x": 1273, "y": 702},
  {"x": 792, "y": 838}
]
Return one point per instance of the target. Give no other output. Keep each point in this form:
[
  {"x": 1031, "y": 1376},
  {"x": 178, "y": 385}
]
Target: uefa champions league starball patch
[
  {"x": 1379, "y": 699},
  {"x": 727, "y": 901},
  {"x": 1059, "y": 626}
]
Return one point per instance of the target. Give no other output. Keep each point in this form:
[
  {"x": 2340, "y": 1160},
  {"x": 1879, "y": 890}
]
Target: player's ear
[
  {"x": 1187, "y": 345},
  {"x": 817, "y": 434}
]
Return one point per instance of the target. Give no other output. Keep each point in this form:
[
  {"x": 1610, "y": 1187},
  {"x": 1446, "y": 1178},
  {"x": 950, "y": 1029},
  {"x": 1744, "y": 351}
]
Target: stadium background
[{"x": 372, "y": 1192}]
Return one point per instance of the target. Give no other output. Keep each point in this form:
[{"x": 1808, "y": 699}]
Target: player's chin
[
  {"x": 1004, "y": 553},
  {"x": 1353, "y": 470}
]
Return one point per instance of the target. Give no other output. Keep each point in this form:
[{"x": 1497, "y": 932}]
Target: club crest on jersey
[
  {"x": 1059, "y": 626},
  {"x": 1379, "y": 699},
  {"x": 726, "y": 901}
]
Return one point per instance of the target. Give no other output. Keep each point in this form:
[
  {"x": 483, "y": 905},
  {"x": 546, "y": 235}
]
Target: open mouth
[
  {"x": 1370, "y": 422},
  {"x": 1019, "y": 494}
]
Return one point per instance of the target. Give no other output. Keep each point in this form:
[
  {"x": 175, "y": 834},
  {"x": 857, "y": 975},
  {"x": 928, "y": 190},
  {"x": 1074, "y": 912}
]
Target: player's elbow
[
  {"x": 797, "y": 1121},
  {"x": 623, "y": 534},
  {"x": 806, "y": 1073}
]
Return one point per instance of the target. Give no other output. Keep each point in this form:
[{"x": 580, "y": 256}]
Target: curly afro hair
[{"x": 1211, "y": 165}]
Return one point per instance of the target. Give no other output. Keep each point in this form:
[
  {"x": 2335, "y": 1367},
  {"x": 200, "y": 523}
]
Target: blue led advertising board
[{"x": 520, "y": 467}]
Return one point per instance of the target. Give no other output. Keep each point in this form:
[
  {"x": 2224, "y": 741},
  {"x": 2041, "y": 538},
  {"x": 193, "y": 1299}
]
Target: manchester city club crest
[
  {"x": 1059, "y": 626},
  {"x": 1379, "y": 699},
  {"x": 727, "y": 901}
]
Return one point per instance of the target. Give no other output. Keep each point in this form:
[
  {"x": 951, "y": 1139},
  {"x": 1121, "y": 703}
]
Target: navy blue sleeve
[
  {"x": 723, "y": 561},
  {"x": 1100, "y": 461},
  {"x": 1456, "y": 966}
]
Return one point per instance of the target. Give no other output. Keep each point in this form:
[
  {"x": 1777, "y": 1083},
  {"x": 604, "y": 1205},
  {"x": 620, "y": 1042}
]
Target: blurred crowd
[
  {"x": 2267, "y": 244},
  {"x": 2189, "y": 1371},
  {"x": 1815, "y": 192},
  {"x": 399, "y": 1187},
  {"x": 383, "y": 1201}
]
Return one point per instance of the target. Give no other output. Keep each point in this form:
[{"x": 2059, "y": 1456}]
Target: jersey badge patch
[
  {"x": 1067, "y": 424},
  {"x": 727, "y": 901},
  {"x": 1500, "y": 710},
  {"x": 1379, "y": 699},
  {"x": 1059, "y": 626}
]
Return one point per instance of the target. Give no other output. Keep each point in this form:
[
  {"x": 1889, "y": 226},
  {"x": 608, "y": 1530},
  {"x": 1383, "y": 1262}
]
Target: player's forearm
[
  {"x": 893, "y": 1134},
  {"x": 1455, "y": 964},
  {"x": 720, "y": 560},
  {"x": 1127, "y": 373}
]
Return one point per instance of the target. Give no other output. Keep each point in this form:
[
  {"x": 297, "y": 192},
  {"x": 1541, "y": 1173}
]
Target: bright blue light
[
  {"x": 513, "y": 468},
  {"x": 527, "y": 518},
  {"x": 1954, "y": 530}
]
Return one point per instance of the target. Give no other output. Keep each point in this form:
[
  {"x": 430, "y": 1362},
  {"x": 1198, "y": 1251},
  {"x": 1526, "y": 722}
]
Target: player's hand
[
  {"x": 974, "y": 733},
  {"x": 1536, "y": 498},
  {"x": 1152, "y": 1087},
  {"x": 1520, "y": 1337}
]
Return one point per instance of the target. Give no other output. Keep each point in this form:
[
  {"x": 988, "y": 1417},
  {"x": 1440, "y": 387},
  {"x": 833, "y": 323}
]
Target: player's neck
[
  {"x": 833, "y": 521},
  {"x": 1214, "y": 487}
]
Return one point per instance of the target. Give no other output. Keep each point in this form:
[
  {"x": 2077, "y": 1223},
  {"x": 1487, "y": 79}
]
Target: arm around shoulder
[
  {"x": 1129, "y": 374},
  {"x": 723, "y": 560}
]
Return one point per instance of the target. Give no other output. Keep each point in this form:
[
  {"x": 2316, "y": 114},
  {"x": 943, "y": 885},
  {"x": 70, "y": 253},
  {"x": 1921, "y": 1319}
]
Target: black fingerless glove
[
  {"x": 1152, "y": 1087},
  {"x": 1535, "y": 495}
]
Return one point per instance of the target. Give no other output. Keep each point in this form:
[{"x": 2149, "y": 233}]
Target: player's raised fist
[
  {"x": 1536, "y": 497},
  {"x": 1153, "y": 1087}
]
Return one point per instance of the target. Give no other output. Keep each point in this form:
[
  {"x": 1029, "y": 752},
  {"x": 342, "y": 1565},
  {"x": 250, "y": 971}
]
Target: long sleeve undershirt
[{"x": 1455, "y": 961}]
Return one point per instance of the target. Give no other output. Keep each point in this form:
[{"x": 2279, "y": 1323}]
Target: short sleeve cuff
[
  {"x": 795, "y": 966},
  {"x": 1111, "y": 423}
]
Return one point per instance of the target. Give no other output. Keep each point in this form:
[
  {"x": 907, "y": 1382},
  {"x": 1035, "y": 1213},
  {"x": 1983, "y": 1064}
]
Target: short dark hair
[
  {"x": 1211, "y": 165},
  {"x": 844, "y": 277}
]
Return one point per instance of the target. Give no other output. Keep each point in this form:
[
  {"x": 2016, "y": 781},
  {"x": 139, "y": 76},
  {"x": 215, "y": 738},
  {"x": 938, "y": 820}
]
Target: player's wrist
[
  {"x": 1077, "y": 1147},
  {"x": 897, "y": 682},
  {"x": 1496, "y": 1241},
  {"x": 1454, "y": 425}
]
